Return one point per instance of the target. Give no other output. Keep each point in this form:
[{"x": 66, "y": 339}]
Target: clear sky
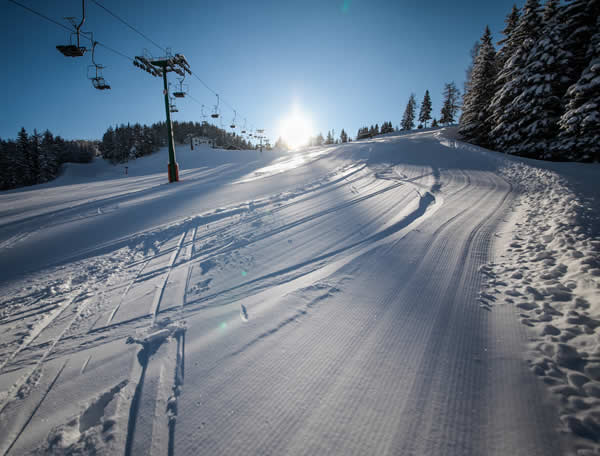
[{"x": 344, "y": 63}]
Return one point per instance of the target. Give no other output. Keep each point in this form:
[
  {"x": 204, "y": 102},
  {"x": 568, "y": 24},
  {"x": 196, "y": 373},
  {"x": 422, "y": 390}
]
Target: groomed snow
[{"x": 409, "y": 294}]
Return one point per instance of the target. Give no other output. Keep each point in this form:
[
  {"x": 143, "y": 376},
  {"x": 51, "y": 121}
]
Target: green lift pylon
[{"x": 160, "y": 67}]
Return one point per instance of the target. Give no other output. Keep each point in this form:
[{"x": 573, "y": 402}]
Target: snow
[{"x": 406, "y": 294}]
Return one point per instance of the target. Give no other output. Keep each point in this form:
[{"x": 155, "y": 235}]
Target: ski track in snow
[{"x": 357, "y": 303}]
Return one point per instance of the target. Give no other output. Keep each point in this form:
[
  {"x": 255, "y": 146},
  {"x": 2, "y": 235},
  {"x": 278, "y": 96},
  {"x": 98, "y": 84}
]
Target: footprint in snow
[{"x": 243, "y": 312}]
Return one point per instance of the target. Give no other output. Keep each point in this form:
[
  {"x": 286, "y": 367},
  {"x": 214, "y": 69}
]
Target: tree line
[
  {"x": 538, "y": 95},
  {"x": 128, "y": 142},
  {"x": 448, "y": 113},
  {"x": 36, "y": 158}
]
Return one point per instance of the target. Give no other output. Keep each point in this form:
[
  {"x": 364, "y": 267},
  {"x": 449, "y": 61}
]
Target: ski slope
[{"x": 408, "y": 295}]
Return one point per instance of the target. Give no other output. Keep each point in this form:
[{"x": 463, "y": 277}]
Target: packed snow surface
[{"x": 409, "y": 295}]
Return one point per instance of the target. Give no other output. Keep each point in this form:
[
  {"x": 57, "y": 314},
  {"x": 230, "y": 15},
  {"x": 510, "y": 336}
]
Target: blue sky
[{"x": 345, "y": 63}]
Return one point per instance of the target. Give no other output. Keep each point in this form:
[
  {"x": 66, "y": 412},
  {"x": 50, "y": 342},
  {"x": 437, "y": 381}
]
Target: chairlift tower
[{"x": 160, "y": 67}]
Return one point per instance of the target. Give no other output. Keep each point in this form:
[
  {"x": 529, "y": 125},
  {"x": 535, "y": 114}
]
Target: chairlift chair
[
  {"x": 74, "y": 50},
  {"x": 182, "y": 91},
  {"x": 98, "y": 81},
  {"x": 244, "y": 129},
  {"x": 232, "y": 126},
  {"x": 172, "y": 106},
  {"x": 215, "y": 115}
]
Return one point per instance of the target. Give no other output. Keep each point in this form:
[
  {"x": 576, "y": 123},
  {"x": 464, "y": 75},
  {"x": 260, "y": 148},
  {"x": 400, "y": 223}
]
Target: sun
[{"x": 295, "y": 129}]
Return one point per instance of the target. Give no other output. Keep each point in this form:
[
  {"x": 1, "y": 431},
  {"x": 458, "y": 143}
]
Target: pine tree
[
  {"x": 107, "y": 146},
  {"x": 22, "y": 159},
  {"x": 542, "y": 89},
  {"x": 425, "y": 114},
  {"x": 451, "y": 104},
  {"x": 578, "y": 19},
  {"x": 34, "y": 158},
  {"x": 343, "y": 136},
  {"x": 469, "y": 72},
  {"x": 329, "y": 139},
  {"x": 474, "y": 122},
  {"x": 580, "y": 124},
  {"x": 508, "y": 45},
  {"x": 48, "y": 159},
  {"x": 434, "y": 123},
  {"x": 408, "y": 119},
  {"x": 505, "y": 106}
]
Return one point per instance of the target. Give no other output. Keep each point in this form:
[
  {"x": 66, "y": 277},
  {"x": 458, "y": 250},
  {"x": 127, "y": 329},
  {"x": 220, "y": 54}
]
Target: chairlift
[
  {"x": 182, "y": 88},
  {"x": 72, "y": 50},
  {"x": 202, "y": 113},
  {"x": 97, "y": 79},
  {"x": 232, "y": 126},
  {"x": 244, "y": 129},
  {"x": 172, "y": 106},
  {"x": 215, "y": 115}
]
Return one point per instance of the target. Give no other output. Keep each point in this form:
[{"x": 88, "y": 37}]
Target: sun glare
[{"x": 295, "y": 129}]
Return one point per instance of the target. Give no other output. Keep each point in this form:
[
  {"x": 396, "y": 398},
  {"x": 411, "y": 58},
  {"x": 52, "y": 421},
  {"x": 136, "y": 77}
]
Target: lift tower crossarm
[{"x": 160, "y": 67}]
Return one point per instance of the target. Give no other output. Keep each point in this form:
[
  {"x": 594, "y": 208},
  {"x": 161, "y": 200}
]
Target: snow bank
[{"x": 549, "y": 269}]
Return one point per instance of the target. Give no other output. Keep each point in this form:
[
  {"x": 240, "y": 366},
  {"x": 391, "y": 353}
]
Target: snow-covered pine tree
[
  {"x": 408, "y": 119},
  {"x": 580, "y": 124},
  {"x": 506, "y": 109},
  {"x": 578, "y": 19},
  {"x": 425, "y": 114},
  {"x": 469, "y": 71},
  {"x": 541, "y": 90},
  {"x": 507, "y": 45},
  {"x": 451, "y": 104},
  {"x": 475, "y": 125}
]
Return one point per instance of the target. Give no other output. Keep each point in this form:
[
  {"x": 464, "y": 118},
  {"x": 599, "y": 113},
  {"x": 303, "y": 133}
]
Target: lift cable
[
  {"x": 114, "y": 50},
  {"x": 42, "y": 15},
  {"x": 99, "y": 43},
  {"x": 69, "y": 29},
  {"x": 129, "y": 25},
  {"x": 150, "y": 40}
]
